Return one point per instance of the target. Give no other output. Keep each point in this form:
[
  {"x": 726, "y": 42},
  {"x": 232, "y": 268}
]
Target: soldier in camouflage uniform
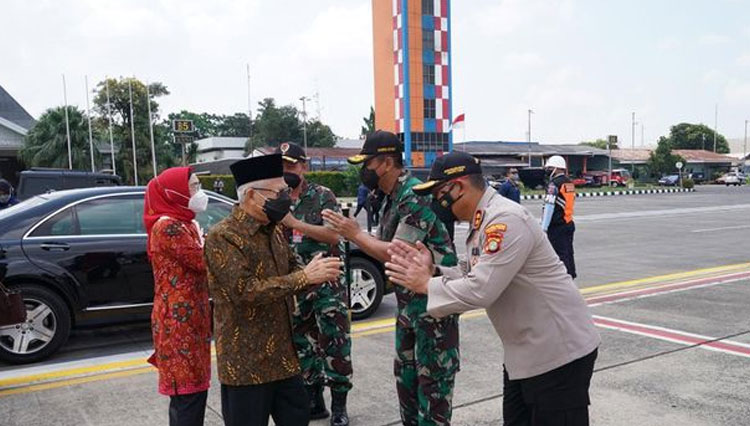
[
  {"x": 427, "y": 356},
  {"x": 321, "y": 319}
]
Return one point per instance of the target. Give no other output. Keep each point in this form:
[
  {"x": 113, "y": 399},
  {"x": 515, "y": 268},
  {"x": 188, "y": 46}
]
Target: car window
[
  {"x": 216, "y": 211},
  {"x": 39, "y": 184},
  {"x": 111, "y": 215},
  {"x": 62, "y": 223}
]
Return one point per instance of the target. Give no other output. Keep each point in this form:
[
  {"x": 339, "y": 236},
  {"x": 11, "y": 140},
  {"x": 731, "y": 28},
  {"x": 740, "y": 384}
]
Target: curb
[{"x": 616, "y": 193}]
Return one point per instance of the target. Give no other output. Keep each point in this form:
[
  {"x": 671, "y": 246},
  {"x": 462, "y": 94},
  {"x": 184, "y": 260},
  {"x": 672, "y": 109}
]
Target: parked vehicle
[
  {"x": 40, "y": 180},
  {"x": 697, "y": 177},
  {"x": 732, "y": 178},
  {"x": 670, "y": 180},
  {"x": 80, "y": 255},
  {"x": 620, "y": 177}
]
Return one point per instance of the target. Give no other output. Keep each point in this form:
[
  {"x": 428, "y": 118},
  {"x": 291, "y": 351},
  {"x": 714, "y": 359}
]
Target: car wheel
[
  {"x": 367, "y": 288},
  {"x": 46, "y": 329}
]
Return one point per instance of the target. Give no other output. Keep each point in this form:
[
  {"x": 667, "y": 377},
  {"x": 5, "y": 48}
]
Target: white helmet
[{"x": 557, "y": 162}]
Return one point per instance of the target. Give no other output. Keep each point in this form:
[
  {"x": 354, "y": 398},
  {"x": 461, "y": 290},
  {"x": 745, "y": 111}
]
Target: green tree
[
  {"x": 274, "y": 125},
  {"x": 369, "y": 126},
  {"x": 691, "y": 136},
  {"x": 661, "y": 160},
  {"x": 320, "y": 135},
  {"x": 599, "y": 143},
  {"x": 120, "y": 107},
  {"x": 235, "y": 125},
  {"x": 46, "y": 144}
]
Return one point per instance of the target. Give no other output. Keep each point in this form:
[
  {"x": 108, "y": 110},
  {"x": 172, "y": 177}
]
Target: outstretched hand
[
  {"x": 344, "y": 226},
  {"x": 410, "y": 266}
]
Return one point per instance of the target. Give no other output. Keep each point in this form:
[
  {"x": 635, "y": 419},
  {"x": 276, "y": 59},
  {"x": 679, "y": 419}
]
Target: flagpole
[
  {"x": 111, "y": 140},
  {"x": 91, "y": 135},
  {"x": 67, "y": 123},
  {"x": 249, "y": 113},
  {"x": 151, "y": 128},
  {"x": 132, "y": 132}
]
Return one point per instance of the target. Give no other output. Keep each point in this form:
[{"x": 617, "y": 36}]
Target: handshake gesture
[
  {"x": 322, "y": 269},
  {"x": 410, "y": 265}
]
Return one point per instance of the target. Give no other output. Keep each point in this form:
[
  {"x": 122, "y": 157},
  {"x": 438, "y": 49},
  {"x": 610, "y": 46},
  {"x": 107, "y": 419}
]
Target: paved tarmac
[{"x": 675, "y": 351}]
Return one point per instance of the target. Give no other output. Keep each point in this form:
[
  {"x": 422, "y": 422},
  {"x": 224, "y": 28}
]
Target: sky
[{"x": 582, "y": 66}]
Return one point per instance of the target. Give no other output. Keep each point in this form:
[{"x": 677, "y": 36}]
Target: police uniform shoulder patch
[
  {"x": 494, "y": 235},
  {"x": 478, "y": 216}
]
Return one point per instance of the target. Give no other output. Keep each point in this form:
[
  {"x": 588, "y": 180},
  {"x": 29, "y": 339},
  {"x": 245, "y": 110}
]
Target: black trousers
[
  {"x": 284, "y": 400},
  {"x": 557, "y": 398},
  {"x": 561, "y": 238},
  {"x": 187, "y": 410}
]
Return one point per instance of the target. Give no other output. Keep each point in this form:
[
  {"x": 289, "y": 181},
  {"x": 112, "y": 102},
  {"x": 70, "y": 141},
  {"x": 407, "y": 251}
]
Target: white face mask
[{"x": 198, "y": 202}]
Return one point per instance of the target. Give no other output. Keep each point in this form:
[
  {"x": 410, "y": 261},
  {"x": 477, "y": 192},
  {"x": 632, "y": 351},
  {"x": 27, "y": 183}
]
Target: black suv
[
  {"x": 40, "y": 180},
  {"x": 79, "y": 256}
]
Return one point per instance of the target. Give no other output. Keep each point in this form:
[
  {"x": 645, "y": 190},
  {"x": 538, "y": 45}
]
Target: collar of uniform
[
  {"x": 405, "y": 175},
  {"x": 246, "y": 220},
  {"x": 305, "y": 192},
  {"x": 484, "y": 202}
]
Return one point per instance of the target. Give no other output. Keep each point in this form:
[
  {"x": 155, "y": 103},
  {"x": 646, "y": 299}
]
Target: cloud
[
  {"x": 737, "y": 92},
  {"x": 669, "y": 43},
  {"x": 744, "y": 60},
  {"x": 509, "y": 16},
  {"x": 713, "y": 39},
  {"x": 522, "y": 60}
]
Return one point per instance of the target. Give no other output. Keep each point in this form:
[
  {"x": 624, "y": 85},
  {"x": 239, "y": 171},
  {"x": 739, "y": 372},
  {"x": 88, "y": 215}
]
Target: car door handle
[{"x": 55, "y": 246}]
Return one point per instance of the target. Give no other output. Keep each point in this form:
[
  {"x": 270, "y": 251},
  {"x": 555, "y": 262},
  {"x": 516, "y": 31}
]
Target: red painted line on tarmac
[
  {"x": 675, "y": 336},
  {"x": 666, "y": 288}
]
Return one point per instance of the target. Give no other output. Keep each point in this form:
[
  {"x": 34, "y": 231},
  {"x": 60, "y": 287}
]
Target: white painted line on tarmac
[
  {"x": 660, "y": 213},
  {"x": 723, "y": 228},
  {"x": 675, "y": 336}
]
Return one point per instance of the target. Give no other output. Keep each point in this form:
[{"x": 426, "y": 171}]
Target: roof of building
[
  {"x": 334, "y": 152},
  {"x": 701, "y": 156},
  {"x": 220, "y": 142},
  {"x": 636, "y": 156},
  {"x": 12, "y": 111},
  {"x": 486, "y": 148}
]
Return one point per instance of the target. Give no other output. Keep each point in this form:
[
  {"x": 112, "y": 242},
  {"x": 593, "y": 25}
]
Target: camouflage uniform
[
  {"x": 427, "y": 356},
  {"x": 321, "y": 318}
]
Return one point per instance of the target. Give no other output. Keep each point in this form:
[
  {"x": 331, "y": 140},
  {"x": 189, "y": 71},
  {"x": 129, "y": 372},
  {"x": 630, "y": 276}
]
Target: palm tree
[{"x": 46, "y": 144}]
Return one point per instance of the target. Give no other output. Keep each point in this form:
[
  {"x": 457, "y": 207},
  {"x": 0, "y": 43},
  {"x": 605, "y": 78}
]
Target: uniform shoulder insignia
[
  {"x": 478, "y": 216},
  {"x": 495, "y": 228},
  {"x": 494, "y": 235}
]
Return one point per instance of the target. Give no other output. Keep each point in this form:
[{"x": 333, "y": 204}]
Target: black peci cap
[
  {"x": 379, "y": 142},
  {"x": 449, "y": 166},
  {"x": 257, "y": 168},
  {"x": 291, "y": 152}
]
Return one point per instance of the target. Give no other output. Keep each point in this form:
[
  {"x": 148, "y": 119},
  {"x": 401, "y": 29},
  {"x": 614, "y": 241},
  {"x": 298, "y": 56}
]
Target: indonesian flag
[{"x": 458, "y": 121}]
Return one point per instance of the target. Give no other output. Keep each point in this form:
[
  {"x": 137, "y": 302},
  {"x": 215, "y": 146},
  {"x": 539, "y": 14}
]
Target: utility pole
[
  {"x": 111, "y": 140},
  {"x": 151, "y": 128},
  {"x": 703, "y": 135},
  {"x": 132, "y": 132},
  {"x": 67, "y": 123},
  {"x": 249, "y": 112},
  {"x": 304, "y": 120},
  {"x": 91, "y": 135},
  {"x": 528, "y": 134},
  {"x": 641, "y": 135}
]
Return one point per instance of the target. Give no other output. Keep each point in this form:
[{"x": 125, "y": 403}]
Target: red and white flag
[{"x": 458, "y": 122}]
